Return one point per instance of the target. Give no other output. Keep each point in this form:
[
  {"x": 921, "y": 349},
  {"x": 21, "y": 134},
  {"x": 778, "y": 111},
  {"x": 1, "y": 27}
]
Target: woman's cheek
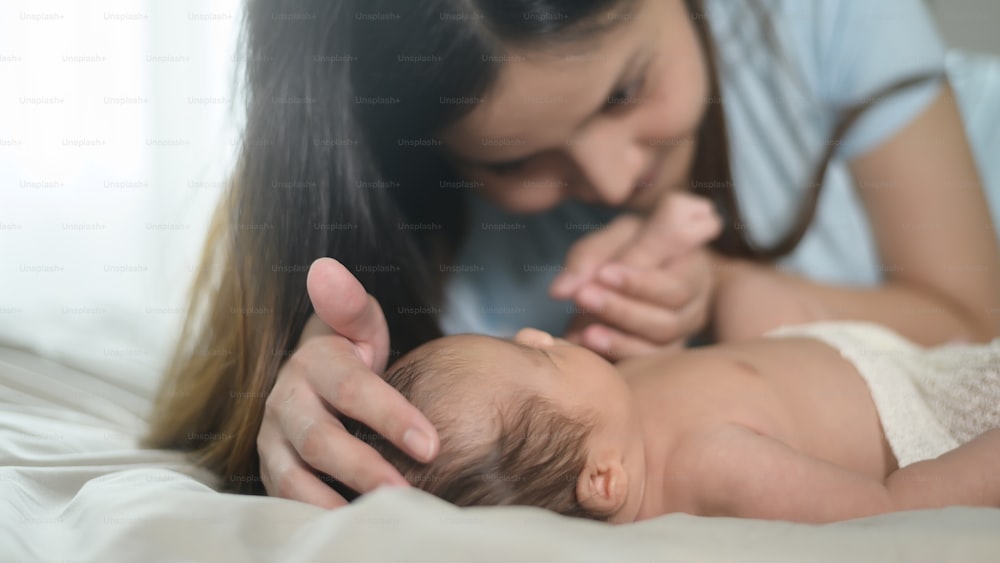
[
  {"x": 673, "y": 117},
  {"x": 678, "y": 97},
  {"x": 523, "y": 194}
]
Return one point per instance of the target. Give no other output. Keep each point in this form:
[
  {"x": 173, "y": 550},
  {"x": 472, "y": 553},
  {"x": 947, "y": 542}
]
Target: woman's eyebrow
[{"x": 638, "y": 65}]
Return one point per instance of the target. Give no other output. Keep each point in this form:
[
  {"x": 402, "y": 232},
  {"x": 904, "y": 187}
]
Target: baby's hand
[{"x": 643, "y": 283}]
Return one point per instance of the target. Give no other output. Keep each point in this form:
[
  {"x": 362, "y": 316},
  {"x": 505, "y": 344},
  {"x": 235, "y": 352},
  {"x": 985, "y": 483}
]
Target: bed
[
  {"x": 76, "y": 488},
  {"x": 86, "y": 321}
]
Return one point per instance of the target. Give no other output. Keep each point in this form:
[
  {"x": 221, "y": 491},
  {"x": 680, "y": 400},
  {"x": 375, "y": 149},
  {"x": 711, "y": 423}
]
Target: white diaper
[{"x": 931, "y": 400}]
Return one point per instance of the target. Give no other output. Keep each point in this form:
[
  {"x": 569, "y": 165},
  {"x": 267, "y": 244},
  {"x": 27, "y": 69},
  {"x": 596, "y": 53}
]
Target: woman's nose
[{"x": 610, "y": 161}]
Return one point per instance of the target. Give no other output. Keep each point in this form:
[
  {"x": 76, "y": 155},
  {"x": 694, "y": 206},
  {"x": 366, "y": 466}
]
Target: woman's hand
[
  {"x": 642, "y": 284},
  {"x": 333, "y": 373}
]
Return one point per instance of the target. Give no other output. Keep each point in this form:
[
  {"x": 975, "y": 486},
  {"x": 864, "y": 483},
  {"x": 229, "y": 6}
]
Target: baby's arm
[
  {"x": 746, "y": 474},
  {"x": 968, "y": 475}
]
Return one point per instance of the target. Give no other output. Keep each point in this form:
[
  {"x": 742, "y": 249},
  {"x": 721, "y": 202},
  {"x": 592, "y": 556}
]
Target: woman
[{"x": 451, "y": 153}]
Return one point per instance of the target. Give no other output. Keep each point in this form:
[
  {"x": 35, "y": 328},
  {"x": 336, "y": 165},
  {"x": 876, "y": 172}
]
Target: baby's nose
[{"x": 533, "y": 337}]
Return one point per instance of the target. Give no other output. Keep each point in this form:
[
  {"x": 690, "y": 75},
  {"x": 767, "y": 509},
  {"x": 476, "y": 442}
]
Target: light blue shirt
[{"x": 836, "y": 53}]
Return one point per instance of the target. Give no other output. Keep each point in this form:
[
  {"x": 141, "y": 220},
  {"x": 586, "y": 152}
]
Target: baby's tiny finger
[{"x": 693, "y": 317}]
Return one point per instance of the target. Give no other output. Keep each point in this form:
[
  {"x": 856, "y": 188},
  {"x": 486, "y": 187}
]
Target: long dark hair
[
  {"x": 343, "y": 100},
  {"x": 339, "y": 153}
]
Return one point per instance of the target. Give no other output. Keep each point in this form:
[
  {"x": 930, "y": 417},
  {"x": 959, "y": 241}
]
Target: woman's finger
[
  {"x": 590, "y": 253},
  {"x": 667, "y": 287},
  {"x": 356, "y": 464},
  {"x": 653, "y": 323},
  {"x": 693, "y": 317},
  {"x": 614, "y": 344},
  {"x": 654, "y": 305},
  {"x": 679, "y": 224},
  {"x": 285, "y": 475},
  {"x": 321, "y": 442},
  {"x": 354, "y": 391},
  {"x": 341, "y": 302}
]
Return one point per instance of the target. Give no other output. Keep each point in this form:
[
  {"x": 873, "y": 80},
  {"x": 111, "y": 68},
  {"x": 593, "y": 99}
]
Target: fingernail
[
  {"x": 612, "y": 275},
  {"x": 419, "y": 444}
]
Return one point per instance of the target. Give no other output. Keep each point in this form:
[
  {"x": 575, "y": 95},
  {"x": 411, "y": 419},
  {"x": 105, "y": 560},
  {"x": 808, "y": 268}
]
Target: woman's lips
[{"x": 652, "y": 175}]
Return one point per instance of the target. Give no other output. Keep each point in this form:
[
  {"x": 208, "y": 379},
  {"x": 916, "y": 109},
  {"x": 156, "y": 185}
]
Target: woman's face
[{"x": 611, "y": 121}]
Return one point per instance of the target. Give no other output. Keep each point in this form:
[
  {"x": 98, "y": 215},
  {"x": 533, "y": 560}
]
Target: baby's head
[{"x": 529, "y": 421}]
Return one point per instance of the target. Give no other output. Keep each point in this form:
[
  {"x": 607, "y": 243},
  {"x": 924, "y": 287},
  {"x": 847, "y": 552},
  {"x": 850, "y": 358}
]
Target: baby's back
[{"x": 797, "y": 390}]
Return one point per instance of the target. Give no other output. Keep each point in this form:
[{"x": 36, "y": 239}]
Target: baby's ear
[{"x": 602, "y": 487}]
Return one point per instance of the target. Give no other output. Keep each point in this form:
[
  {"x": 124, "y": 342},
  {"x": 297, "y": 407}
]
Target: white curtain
[{"x": 118, "y": 127}]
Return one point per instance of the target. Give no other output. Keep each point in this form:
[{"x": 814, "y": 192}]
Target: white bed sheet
[{"x": 76, "y": 488}]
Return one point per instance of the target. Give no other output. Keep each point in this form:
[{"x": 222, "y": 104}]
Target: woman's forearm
[
  {"x": 752, "y": 299},
  {"x": 917, "y": 314}
]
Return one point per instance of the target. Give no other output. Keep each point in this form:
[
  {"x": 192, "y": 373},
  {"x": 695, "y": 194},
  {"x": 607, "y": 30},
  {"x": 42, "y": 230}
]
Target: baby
[{"x": 813, "y": 423}]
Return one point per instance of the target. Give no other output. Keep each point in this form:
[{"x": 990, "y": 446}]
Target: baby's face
[{"x": 572, "y": 378}]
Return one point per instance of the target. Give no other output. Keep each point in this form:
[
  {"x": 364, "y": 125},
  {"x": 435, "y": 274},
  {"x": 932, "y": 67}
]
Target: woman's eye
[
  {"x": 626, "y": 96},
  {"x": 507, "y": 167}
]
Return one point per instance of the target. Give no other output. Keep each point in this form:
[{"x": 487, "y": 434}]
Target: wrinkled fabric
[
  {"x": 929, "y": 400},
  {"x": 76, "y": 488}
]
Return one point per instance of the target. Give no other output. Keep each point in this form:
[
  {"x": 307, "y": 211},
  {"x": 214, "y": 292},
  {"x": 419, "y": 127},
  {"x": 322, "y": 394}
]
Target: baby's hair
[{"x": 534, "y": 459}]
